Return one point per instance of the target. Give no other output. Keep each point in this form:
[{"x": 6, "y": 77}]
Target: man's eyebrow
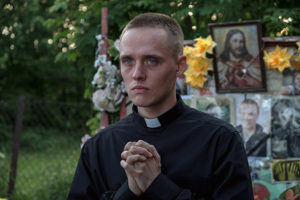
[
  {"x": 125, "y": 56},
  {"x": 153, "y": 56}
]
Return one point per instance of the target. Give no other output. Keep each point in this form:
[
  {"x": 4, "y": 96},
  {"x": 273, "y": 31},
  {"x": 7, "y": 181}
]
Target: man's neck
[
  {"x": 234, "y": 58},
  {"x": 157, "y": 110},
  {"x": 247, "y": 133}
]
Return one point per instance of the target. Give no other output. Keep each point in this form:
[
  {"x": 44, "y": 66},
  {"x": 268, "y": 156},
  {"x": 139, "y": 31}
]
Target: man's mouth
[{"x": 139, "y": 89}]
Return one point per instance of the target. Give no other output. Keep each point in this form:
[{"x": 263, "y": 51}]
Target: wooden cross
[{"x": 105, "y": 120}]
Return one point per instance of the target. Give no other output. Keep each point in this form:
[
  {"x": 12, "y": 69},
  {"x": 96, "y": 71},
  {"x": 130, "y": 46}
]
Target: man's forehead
[
  {"x": 247, "y": 107},
  {"x": 142, "y": 33}
]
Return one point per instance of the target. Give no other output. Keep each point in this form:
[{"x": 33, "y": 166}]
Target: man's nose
[
  {"x": 249, "y": 117},
  {"x": 139, "y": 71},
  {"x": 240, "y": 44}
]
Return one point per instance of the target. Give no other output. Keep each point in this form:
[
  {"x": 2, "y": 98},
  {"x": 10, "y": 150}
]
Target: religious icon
[{"x": 238, "y": 63}]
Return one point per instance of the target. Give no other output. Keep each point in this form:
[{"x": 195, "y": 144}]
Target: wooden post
[
  {"x": 104, "y": 32},
  {"x": 16, "y": 145},
  {"x": 123, "y": 108},
  {"x": 105, "y": 121}
]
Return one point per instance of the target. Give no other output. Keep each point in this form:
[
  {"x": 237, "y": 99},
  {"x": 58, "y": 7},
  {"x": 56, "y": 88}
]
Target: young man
[
  {"x": 164, "y": 149},
  {"x": 236, "y": 66},
  {"x": 251, "y": 132}
]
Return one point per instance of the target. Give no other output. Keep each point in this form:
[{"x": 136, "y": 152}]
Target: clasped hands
[{"x": 142, "y": 165}]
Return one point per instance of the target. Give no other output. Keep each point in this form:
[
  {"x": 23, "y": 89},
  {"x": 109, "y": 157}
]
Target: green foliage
[
  {"x": 51, "y": 44},
  {"x": 93, "y": 124},
  {"x": 4, "y": 166},
  {"x": 45, "y": 166}
]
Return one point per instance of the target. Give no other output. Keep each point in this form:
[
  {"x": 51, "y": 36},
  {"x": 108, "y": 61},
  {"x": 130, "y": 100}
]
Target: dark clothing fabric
[
  {"x": 254, "y": 140},
  {"x": 202, "y": 157}
]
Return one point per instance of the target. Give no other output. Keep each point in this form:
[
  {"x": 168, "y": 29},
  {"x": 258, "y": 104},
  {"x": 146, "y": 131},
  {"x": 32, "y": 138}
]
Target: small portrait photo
[
  {"x": 285, "y": 127},
  {"x": 253, "y": 122},
  {"x": 238, "y": 63},
  {"x": 291, "y": 83},
  {"x": 221, "y": 107}
]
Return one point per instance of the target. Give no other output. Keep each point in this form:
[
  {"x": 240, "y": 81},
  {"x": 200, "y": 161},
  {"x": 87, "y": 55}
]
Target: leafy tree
[{"x": 48, "y": 46}]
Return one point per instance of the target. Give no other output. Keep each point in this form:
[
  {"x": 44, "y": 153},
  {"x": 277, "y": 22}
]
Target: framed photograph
[
  {"x": 238, "y": 57},
  {"x": 253, "y": 115},
  {"x": 285, "y": 127},
  {"x": 289, "y": 79},
  {"x": 286, "y": 170},
  {"x": 221, "y": 107}
]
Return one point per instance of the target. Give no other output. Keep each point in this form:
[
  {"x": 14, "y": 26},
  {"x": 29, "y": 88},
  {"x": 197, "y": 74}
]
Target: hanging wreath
[{"x": 107, "y": 81}]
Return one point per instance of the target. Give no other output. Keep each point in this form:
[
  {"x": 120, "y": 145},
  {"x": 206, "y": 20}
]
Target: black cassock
[{"x": 202, "y": 157}]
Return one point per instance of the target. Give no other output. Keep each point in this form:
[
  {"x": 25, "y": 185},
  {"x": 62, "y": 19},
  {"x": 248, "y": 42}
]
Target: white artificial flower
[
  {"x": 85, "y": 138},
  {"x": 99, "y": 37},
  {"x": 117, "y": 44},
  {"x": 123, "y": 89},
  {"x": 99, "y": 78},
  {"x": 101, "y": 101},
  {"x": 96, "y": 63},
  {"x": 102, "y": 58},
  {"x": 106, "y": 79}
]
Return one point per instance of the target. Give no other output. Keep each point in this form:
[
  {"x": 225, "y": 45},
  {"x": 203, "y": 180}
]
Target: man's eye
[
  {"x": 151, "y": 61},
  {"x": 127, "y": 61}
]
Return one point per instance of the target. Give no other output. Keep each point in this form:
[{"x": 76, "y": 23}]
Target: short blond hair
[{"x": 158, "y": 20}]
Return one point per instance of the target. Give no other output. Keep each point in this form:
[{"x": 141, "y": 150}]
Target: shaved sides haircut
[{"x": 157, "y": 20}]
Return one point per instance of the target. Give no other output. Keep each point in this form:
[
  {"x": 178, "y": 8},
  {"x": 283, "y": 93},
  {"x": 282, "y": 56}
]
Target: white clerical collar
[
  {"x": 162, "y": 120},
  {"x": 152, "y": 123}
]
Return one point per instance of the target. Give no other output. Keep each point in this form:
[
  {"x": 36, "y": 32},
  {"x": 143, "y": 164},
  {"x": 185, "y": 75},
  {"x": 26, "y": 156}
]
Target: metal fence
[{"x": 49, "y": 147}]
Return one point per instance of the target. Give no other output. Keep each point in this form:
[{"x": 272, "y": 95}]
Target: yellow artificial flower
[
  {"x": 198, "y": 63},
  {"x": 194, "y": 80},
  {"x": 298, "y": 44},
  {"x": 204, "y": 45},
  {"x": 278, "y": 59}
]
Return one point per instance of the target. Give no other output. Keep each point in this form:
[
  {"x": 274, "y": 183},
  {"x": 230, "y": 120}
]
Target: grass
[{"x": 45, "y": 169}]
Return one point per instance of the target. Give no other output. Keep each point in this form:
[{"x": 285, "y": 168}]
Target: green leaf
[
  {"x": 73, "y": 55},
  {"x": 2, "y": 155},
  {"x": 58, "y": 6}
]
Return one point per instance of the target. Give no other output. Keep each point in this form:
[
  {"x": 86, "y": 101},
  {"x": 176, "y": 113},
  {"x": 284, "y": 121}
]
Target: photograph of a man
[
  {"x": 252, "y": 132},
  {"x": 293, "y": 89},
  {"x": 238, "y": 64}
]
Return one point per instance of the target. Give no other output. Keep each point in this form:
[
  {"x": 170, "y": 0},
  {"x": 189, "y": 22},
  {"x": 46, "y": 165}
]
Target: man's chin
[
  {"x": 139, "y": 102},
  {"x": 237, "y": 55}
]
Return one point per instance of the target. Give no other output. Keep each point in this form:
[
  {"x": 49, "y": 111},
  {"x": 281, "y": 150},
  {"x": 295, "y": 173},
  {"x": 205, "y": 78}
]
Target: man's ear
[{"x": 181, "y": 65}]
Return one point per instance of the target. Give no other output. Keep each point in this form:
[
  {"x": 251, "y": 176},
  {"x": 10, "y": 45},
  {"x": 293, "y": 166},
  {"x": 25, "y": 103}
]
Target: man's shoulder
[
  {"x": 209, "y": 127},
  {"x": 113, "y": 129},
  {"x": 201, "y": 119},
  {"x": 259, "y": 130}
]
